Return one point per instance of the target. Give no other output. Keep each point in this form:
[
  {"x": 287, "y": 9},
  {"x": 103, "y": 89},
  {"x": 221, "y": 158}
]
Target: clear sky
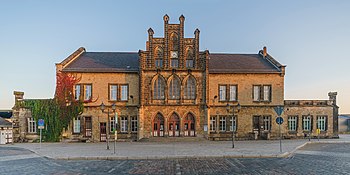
[{"x": 311, "y": 37}]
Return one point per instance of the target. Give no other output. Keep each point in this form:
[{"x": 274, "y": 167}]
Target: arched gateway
[
  {"x": 189, "y": 125},
  {"x": 158, "y": 126},
  {"x": 174, "y": 125}
]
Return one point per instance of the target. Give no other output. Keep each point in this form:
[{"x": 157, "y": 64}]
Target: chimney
[
  {"x": 264, "y": 51},
  {"x": 333, "y": 97},
  {"x": 18, "y": 96}
]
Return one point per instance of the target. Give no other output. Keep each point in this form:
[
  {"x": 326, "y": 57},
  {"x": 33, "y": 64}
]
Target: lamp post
[
  {"x": 228, "y": 108},
  {"x": 103, "y": 107}
]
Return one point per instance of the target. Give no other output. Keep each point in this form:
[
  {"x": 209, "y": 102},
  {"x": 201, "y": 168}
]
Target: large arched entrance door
[
  {"x": 189, "y": 125},
  {"x": 158, "y": 126},
  {"x": 174, "y": 125}
]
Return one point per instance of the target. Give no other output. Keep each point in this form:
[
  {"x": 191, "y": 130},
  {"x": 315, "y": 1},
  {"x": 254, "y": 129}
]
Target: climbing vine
[{"x": 59, "y": 111}]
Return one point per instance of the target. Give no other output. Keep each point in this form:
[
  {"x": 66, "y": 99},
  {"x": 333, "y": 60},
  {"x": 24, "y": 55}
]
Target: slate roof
[
  {"x": 5, "y": 113},
  {"x": 4, "y": 123},
  {"x": 240, "y": 63},
  {"x": 105, "y": 62},
  {"x": 129, "y": 62}
]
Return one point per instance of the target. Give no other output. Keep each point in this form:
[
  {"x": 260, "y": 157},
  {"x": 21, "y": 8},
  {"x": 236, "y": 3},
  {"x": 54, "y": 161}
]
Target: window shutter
[{"x": 326, "y": 123}]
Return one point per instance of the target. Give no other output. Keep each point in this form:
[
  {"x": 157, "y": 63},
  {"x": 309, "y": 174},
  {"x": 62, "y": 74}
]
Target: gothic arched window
[
  {"x": 190, "y": 88},
  {"x": 158, "y": 88},
  {"x": 159, "y": 57},
  {"x": 174, "y": 88},
  {"x": 189, "y": 59},
  {"x": 174, "y": 50}
]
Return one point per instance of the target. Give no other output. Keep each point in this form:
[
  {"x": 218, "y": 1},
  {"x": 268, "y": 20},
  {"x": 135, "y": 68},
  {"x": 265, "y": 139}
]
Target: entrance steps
[{"x": 173, "y": 139}]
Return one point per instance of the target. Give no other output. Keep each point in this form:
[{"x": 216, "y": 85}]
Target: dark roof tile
[
  {"x": 105, "y": 62},
  {"x": 240, "y": 63}
]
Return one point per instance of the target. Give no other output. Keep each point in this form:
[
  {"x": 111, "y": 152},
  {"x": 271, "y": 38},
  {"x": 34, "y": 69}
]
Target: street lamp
[
  {"x": 228, "y": 108},
  {"x": 103, "y": 107}
]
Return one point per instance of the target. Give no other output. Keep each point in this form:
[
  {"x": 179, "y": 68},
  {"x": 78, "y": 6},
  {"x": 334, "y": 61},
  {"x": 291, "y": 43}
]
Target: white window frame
[
  {"x": 77, "y": 92},
  {"x": 31, "y": 125},
  {"x": 76, "y": 125},
  {"x": 124, "y": 124},
  {"x": 292, "y": 123},
  {"x": 266, "y": 123},
  {"x": 256, "y": 93},
  {"x": 222, "y": 123},
  {"x": 212, "y": 124},
  {"x": 113, "y": 92},
  {"x": 124, "y": 88},
  {"x": 233, "y": 123},
  {"x": 307, "y": 123},
  {"x": 267, "y": 93},
  {"x": 222, "y": 92},
  {"x": 321, "y": 122},
  {"x": 133, "y": 120},
  {"x": 87, "y": 92},
  {"x": 233, "y": 93}
]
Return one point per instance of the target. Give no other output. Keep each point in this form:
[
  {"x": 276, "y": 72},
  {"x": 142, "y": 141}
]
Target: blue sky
[{"x": 311, "y": 37}]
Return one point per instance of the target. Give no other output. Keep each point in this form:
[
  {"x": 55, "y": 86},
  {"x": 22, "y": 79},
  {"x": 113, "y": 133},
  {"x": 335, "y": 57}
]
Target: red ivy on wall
[{"x": 64, "y": 87}]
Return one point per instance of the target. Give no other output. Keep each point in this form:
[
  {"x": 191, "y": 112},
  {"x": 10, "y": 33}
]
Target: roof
[
  {"x": 105, "y": 62},
  {"x": 5, "y": 113},
  {"x": 4, "y": 123},
  {"x": 241, "y": 63}
]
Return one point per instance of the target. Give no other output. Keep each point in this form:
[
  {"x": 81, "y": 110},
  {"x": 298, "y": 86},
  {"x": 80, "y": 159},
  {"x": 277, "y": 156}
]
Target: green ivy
[{"x": 55, "y": 114}]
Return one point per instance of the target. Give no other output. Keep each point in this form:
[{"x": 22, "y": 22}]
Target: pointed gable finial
[
  {"x": 182, "y": 18},
  {"x": 166, "y": 18},
  {"x": 196, "y": 31},
  {"x": 150, "y": 31}
]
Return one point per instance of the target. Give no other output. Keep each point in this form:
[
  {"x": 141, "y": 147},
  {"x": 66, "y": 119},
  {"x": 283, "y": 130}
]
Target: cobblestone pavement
[{"x": 315, "y": 158}]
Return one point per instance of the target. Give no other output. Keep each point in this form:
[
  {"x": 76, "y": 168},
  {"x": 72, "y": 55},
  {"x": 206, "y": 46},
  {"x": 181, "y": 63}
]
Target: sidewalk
[{"x": 154, "y": 150}]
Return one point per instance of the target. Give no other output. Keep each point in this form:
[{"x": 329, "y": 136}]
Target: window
[
  {"x": 222, "y": 92},
  {"x": 133, "y": 124},
  {"x": 212, "y": 124},
  {"x": 174, "y": 88},
  {"x": 292, "y": 123},
  {"x": 307, "y": 123},
  {"x": 174, "y": 63},
  {"x": 233, "y": 123},
  {"x": 256, "y": 94},
  {"x": 123, "y": 124},
  {"x": 190, "y": 89},
  {"x": 31, "y": 125},
  {"x": 189, "y": 60},
  {"x": 158, "y": 88},
  {"x": 262, "y": 93},
  {"x": 266, "y": 123},
  {"x": 88, "y": 127},
  {"x": 113, "y": 91},
  {"x": 222, "y": 124},
  {"x": 233, "y": 93},
  {"x": 112, "y": 124},
  {"x": 267, "y": 92},
  {"x": 159, "y": 57},
  {"x": 189, "y": 63},
  {"x": 76, "y": 125},
  {"x": 321, "y": 123},
  {"x": 77, "y": 92},
  {"x": 159, "y": 63},
  {"x": 124, "y": 92},
  {"x": 87, "y": 92}
]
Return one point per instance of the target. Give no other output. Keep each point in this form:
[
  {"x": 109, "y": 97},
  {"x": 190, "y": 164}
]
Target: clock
[{"x": 173, "y": 54}]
